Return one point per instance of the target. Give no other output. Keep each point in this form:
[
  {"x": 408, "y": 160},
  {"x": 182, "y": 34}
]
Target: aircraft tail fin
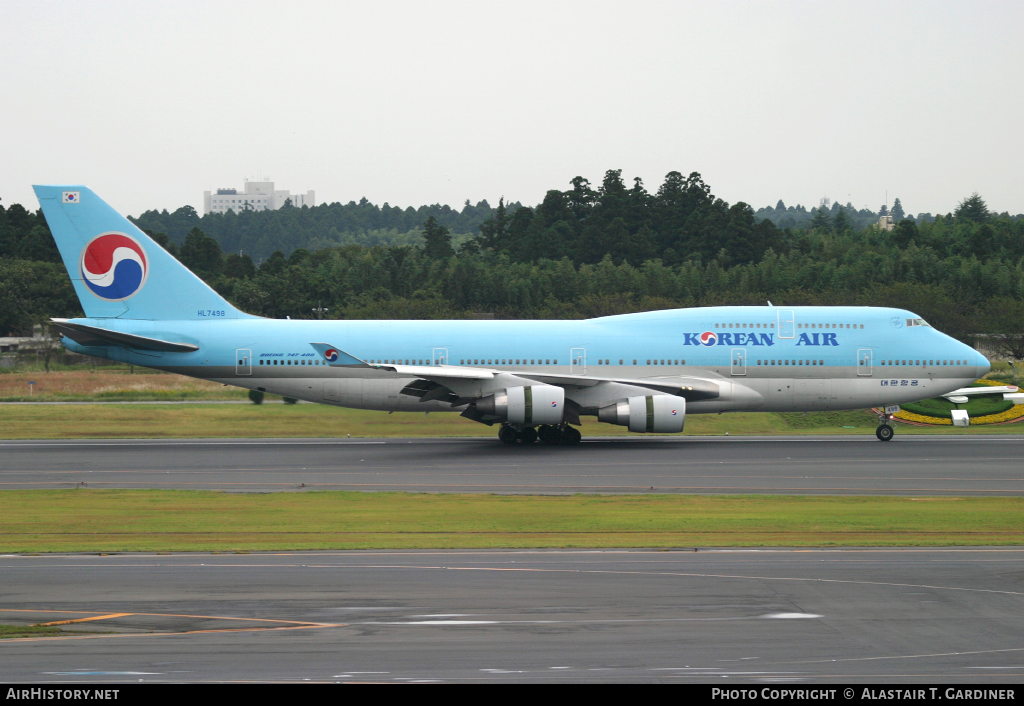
[{"x": 117, "y": 270}]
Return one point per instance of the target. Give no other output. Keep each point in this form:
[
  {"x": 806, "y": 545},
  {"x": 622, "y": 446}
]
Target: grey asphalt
[
  {"x": 772, "y": 617},
  {"x": 908, "y": 465}
]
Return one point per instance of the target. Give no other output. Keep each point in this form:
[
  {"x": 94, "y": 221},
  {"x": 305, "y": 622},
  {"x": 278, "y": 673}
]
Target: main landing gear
[
  {"x": 552, "y": 435},
  {"x": 884, "y": 431}
]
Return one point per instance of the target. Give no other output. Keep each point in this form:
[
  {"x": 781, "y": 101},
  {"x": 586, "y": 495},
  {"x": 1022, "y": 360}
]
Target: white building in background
[{"x": 257, "y": 196}]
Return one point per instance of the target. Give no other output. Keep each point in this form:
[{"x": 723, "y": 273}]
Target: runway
[
  {"x": 908, "y": 465},
  {"x": 772, "y": 616}
]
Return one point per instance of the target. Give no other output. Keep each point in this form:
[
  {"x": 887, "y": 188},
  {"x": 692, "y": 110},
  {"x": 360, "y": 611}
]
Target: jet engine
[
  {"x": 529, "y": 405},
  {"x": 654, "y": 413}
]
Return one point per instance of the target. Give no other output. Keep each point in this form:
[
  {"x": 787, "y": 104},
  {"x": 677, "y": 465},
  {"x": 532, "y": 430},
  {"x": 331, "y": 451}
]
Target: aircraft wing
[
  {"x": 436, "y": 381},
  {"x": 337, "y": 358},
  {"x": 692, "y": 389}
]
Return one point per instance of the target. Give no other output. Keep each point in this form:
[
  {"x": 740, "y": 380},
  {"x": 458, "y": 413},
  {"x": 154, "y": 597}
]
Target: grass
[
  {"x": 112, "y": 384},
  {"x": 976, "y": 407},
  {"x": 107, "y": 384},
  {"x": 116, "y": 421},
  {"x": 12, "y": 631},
  {"x": 178, "y": 520}
]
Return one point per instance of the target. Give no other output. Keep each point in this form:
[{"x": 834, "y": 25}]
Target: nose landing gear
[{"x": 884, "y": 432}]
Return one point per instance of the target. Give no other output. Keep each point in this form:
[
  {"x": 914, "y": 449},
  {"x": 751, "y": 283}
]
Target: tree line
[
  {"x": 260, "y": 233},
  {"x": 588, "y": 251}
]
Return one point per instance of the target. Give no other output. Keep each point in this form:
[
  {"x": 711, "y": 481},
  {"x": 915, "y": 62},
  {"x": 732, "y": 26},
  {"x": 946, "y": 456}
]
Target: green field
[
  {"x": 133, "y": 421},
  {"x": 976, "y": 407},
  {"x": 14, "y": 631},
  {"x": 179, "y": 520}
]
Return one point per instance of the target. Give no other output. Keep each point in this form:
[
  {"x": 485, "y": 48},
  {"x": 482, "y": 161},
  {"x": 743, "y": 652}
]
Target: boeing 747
[{"x": 534, "y": 379}]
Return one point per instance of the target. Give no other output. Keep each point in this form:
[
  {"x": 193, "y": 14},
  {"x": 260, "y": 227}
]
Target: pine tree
[
  {"x": 897, "y": 211},
  {"x": 437, "y": 240},
  {"x": 972, "y": 209}
]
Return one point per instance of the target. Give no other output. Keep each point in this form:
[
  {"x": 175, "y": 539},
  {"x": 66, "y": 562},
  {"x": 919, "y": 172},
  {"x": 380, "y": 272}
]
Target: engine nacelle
[
  {"x": 529, "y": 405},
  {"x": 663, "y": 414}
]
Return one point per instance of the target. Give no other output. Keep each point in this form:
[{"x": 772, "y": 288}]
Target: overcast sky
[{"x": 151, "y": 103}]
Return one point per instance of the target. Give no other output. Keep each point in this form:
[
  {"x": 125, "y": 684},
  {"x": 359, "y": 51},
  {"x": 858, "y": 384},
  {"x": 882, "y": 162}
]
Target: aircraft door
[
  {"x": 739, "y": 361},
  {"x": 787, "y": 325},
  {"x": 864, "y": 362},
  {"x": 578, "y": 361},
  {"x": 243, "y": 361},
  {"x": 440, "y": 356}
]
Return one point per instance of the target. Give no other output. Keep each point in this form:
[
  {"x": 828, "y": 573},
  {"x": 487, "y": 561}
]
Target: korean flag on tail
[{"x": 71, "y": 197}]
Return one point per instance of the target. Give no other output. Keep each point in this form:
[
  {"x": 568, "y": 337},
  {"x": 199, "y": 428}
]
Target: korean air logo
[
  {"x": 114, "y": 266},
  {"x": 709, "y": 338},
  {"x": 331, "y": 355},
  {"x": 673, "y": 413},
  {"x": 554, "y": 404}
]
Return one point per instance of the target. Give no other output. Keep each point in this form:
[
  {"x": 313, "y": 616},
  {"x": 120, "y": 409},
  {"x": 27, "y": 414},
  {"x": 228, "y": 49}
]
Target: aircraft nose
[{"x": 982, "y": 365}]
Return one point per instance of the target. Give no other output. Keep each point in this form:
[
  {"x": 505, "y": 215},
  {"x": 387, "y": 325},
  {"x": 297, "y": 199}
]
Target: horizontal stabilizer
[{"x": 85, "y": 335}]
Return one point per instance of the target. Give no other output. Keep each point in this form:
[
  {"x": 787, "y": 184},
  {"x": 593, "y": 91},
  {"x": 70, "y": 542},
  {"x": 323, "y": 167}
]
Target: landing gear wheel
[
  {"x": 570, "y": 436},
  {"x": 508, "y": 435},
  {"x": 528, "y": 435},
  {"x": 549, "y": 435},
  {"x": 884, "y": 432}
]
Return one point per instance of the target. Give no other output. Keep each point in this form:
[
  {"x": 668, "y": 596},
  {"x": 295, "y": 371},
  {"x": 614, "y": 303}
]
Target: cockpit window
[{"x": 917, "y": 322}]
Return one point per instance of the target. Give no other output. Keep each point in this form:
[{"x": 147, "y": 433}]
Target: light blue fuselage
[{"x": 763, "y": 358}]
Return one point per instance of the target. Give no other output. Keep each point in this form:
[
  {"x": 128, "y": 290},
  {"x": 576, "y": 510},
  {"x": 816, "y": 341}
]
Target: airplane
[{"x": 534, "y": 379}]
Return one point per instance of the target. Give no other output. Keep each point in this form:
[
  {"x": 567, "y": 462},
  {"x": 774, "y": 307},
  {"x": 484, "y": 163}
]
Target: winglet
[{"x": 337, "y": 357}]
